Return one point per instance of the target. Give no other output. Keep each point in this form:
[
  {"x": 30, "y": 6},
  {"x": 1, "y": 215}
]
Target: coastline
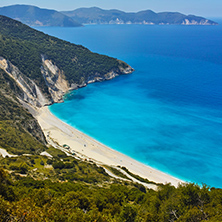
[{"x": 61, "y": 133}]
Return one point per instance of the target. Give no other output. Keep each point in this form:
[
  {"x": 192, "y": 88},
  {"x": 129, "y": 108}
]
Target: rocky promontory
[{"x": 44, "y": 68}]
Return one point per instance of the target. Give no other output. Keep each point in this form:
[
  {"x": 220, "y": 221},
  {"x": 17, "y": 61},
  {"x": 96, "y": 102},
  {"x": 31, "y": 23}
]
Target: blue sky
[{"x": 207, "y": 8}]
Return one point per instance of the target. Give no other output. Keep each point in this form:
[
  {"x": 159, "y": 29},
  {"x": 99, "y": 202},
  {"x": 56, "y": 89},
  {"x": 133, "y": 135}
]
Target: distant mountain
[
  {"x": 100, "y": 16},
  {"x": 34, "y": 16}
]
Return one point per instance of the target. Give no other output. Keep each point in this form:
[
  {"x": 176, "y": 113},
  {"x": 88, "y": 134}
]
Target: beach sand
[{"x": 86, "y": 147}]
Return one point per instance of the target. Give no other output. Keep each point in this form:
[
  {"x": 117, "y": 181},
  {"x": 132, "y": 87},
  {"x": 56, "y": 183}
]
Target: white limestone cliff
[
  {"x": 31, "y": 92},
  {"x": 55, "y": 80},
  {"x": 194, "y": 22}
]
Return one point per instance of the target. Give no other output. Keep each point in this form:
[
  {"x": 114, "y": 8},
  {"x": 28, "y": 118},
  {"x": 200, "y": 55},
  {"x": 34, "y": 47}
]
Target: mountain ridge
[
  {"x": 95, "y": 15},
  {"x": 45, "y": 67},
  {"x": 35, "y": 16}
]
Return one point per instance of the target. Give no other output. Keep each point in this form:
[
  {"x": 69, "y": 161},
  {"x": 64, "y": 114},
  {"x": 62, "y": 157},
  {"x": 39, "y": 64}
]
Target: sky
[{"x": 206, "y": 8}]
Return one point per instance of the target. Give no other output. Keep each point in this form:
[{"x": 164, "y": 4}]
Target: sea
[{"x": 168, "y": 113}]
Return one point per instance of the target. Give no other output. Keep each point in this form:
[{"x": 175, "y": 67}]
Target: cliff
[
  {"x": 45, "y": 68},
  {"x": 55, "y": 80},
  {"x": 19, "y": 131},
  {"x": 29, "y": 91},
  {"x": 37, "y": 70}
]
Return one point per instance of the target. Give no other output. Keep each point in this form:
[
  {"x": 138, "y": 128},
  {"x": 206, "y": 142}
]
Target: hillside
[
  {"x": 34, "y": 16},
  {"x": 96, "y": 15},
  {"x": 28, "y": 75},
  {"x": 45, "y": 67},
  {"x": 19, "y": 131},
  {"x": 23, "y": 198}
]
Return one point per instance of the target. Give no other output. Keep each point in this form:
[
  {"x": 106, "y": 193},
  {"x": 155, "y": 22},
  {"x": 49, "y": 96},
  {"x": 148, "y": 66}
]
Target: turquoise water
[{"x": 167, "y": 114}]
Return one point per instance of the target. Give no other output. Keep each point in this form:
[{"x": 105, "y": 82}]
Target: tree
[
  {"x": 5, "y": 189},
  {"x": 23, "y": 168},
  {"x": 128, "y": 213}
]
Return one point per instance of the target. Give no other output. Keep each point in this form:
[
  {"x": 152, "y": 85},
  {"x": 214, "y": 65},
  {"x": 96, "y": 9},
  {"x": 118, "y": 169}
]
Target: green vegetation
[
  {"x": 56, "y": 169},
  {"x": 137, "y": 176},
  {"x": 98, "y": 15},
  {"x": 63, "y": 188},
  {"x": 27, "y": 199},
  {"x": 16, "y": 140},
  {"x": 19, "y": 131},
  {"x": 117, "y": 172},
  {"x": 35, "y": 16},
  {"x": 23, "y": 47}
]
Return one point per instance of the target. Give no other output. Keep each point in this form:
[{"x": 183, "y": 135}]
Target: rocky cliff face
[
  {"x": 31, "y": 93},
  {"x": 54, "y": 79},
  {"x": 186, "y": 21},
  {"x": 110, "y": 75},
  {"x": 13, "y": 111},
  {"x": 194, "y": 22}
]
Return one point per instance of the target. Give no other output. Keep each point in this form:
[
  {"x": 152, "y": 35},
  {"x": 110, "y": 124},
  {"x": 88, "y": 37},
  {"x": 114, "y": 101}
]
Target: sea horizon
[{"x": 167, "y": 113}]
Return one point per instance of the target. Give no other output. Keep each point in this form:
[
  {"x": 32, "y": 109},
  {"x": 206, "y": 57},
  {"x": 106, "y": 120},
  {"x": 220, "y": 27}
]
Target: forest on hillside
[
  {"x": 23, "y": 198},
  {"x": 23, "y": 47}
]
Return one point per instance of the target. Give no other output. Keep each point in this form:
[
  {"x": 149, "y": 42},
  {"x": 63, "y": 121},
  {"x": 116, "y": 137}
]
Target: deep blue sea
[{"x": 168, "y": 113}]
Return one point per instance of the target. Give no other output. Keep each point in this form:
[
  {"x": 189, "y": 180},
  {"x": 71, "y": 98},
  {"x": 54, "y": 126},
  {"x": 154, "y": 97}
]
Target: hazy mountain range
[
  {"x": 34, "y": 16},
  {"x": 100, "y": 16}
]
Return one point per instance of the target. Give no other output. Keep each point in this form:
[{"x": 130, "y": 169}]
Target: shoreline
[{"x": 61, "y": 133}]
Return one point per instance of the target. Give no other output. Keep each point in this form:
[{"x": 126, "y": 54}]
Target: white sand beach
[{"x": 87, "y": 147}]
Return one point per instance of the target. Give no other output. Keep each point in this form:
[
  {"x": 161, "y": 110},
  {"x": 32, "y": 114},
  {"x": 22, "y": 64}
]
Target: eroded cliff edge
[
  {"x": 55, "y": 81},
  {"x": 44, "y": 68}
]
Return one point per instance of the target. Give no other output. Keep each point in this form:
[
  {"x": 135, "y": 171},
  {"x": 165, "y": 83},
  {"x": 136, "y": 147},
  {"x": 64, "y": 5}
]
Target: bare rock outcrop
[
  {"x": 55, "y": 80},
  {"x": 32, "y": 94}
]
